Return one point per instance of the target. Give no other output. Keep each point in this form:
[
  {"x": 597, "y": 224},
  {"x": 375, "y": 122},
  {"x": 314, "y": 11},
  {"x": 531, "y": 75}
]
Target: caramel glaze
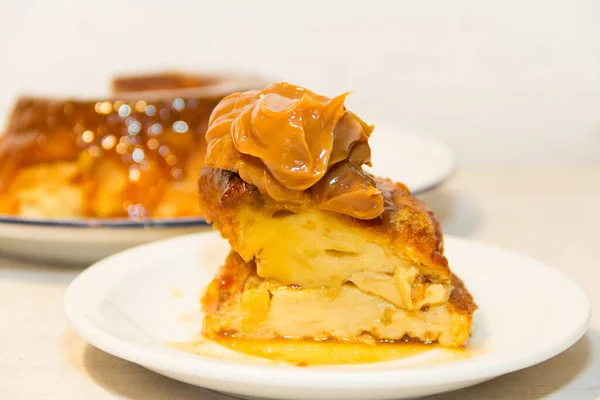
[
  {"x": 296, "y": 146},
  {"x": 152, "y": 131}
]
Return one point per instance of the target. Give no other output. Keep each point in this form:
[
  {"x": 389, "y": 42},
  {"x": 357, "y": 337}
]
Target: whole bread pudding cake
[
  {"x": 134, "y": 155},
  {"x": 320, "y": 249}
]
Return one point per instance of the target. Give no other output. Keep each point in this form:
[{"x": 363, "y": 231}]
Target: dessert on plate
[
  {"x": 135, "y": 155},
  {"x": 320, "y": 249}
]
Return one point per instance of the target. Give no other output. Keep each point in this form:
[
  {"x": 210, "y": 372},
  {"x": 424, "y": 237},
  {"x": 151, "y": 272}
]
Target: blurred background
[{"x": 505, "y": 82}]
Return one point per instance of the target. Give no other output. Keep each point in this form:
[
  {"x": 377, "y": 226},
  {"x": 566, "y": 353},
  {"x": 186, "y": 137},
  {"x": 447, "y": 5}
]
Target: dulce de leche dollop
[{"x": 296, "y": 146}]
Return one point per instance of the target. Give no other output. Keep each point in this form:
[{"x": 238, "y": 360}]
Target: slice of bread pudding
[{"x": 320, "y": 249}]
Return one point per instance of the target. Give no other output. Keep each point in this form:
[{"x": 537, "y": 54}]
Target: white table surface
[{"x": 550, "y": 213}]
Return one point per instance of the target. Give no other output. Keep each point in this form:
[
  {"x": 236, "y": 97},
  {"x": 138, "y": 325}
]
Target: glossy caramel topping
[
  {"x": 135, "y": 155},
  {"x": 296, "y": 145}
]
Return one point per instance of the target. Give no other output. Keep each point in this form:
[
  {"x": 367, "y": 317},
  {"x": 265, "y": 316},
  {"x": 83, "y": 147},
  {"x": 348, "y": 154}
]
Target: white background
[{"x": 500, "y": 82}]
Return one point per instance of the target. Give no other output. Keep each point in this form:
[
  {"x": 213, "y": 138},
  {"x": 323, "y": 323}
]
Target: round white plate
[
  {"x": 132, "y": 303},
  {"x": 84, "y": 241},
  {"x": 418, "y": 161}
]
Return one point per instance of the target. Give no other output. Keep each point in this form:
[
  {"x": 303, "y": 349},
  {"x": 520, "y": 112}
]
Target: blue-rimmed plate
[{"x": 84, "y": 241}]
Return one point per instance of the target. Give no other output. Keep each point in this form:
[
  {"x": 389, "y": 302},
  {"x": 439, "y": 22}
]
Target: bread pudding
[
  {"x": 320, "y": 249},
  {"x": 135, "y": 155}
]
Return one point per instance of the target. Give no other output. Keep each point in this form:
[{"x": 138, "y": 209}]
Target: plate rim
[
  {"x": 451, "y": 158},
  {"x": 111, "y": 223},
  {"x": 212, "y": 369}
]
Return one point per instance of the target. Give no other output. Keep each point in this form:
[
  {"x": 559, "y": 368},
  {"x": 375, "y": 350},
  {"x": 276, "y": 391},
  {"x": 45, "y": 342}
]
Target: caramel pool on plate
[
  {"x": 311, "y": 352},
  {"x": 304, "y": 353}
]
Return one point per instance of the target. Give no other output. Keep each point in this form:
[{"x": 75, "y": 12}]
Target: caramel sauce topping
[{"x": 296, "y": 146}]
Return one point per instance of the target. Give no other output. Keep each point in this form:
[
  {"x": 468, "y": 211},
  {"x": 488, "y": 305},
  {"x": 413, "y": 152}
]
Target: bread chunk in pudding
[{"x": 241, "y": 303}]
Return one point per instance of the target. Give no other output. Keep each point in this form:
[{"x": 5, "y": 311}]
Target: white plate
[
  {"x": 84, "y": 241},
  {"x": 418, "y": 161},
  {"x": 125, "y": 306}
]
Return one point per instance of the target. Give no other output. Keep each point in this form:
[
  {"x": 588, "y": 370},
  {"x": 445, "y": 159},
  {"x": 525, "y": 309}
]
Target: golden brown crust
[
  {"x": 460, "y": 300},
  {"x": 230, "y": 279},
  {"x": 406, "y": 221}
]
